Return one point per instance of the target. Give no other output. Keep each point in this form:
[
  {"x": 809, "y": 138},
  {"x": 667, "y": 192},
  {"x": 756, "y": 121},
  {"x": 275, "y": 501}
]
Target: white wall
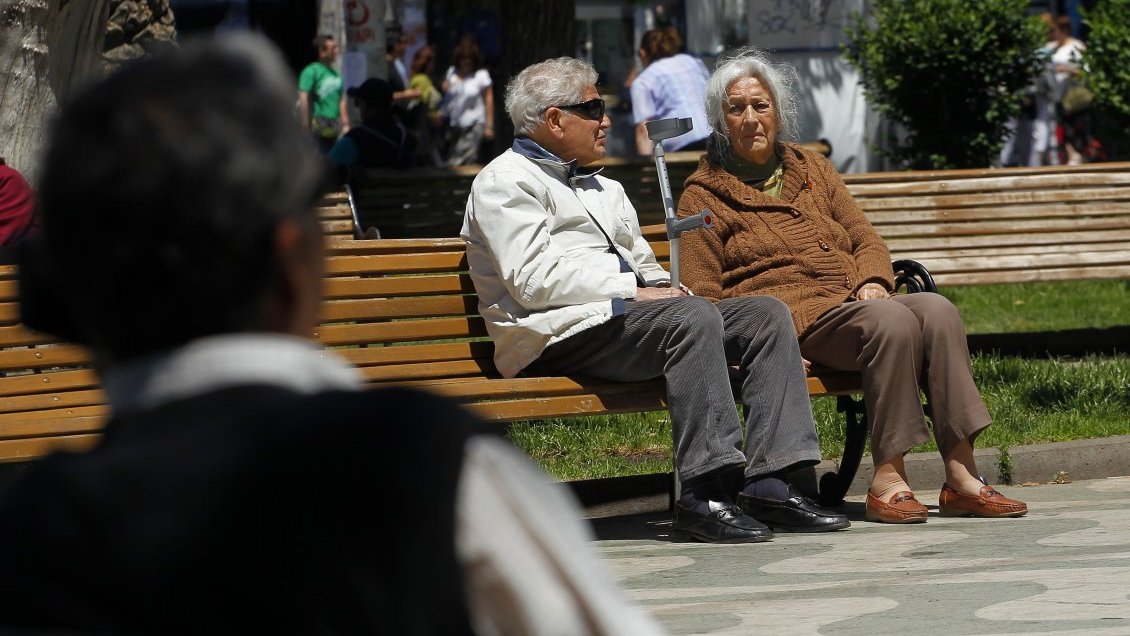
[{"x": 808, "y": 35}]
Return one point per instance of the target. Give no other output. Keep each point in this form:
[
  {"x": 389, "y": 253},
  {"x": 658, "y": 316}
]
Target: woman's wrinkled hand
[{"x": 871, "y": 291}]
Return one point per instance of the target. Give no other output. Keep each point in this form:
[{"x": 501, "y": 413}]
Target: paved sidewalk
[{"x": 1062, "y": 570}]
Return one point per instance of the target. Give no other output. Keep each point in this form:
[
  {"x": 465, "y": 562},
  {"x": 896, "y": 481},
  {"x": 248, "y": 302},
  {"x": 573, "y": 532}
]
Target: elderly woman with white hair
[{"x": 786, "y": 226}]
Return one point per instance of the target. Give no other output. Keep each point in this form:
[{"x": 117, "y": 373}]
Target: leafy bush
[
  {"x": 949, "y": 71},
  {"x": 1107, "y": 64}
]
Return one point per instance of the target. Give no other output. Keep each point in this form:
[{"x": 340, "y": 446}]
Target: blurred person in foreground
[
  {"x": 567, "y": 285},
  {"x": 786, "y": 226},
  {"x": 245, "y": 483}
]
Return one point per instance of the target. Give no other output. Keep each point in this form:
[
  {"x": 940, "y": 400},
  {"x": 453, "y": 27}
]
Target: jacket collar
[
  {"x": 729, "y": 188},
  {"x": 566, "y": 171},
  {"x": 221, "y": 361}
]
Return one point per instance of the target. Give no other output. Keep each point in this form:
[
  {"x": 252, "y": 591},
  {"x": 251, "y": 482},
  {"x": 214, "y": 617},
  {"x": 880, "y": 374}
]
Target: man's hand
[
  {"x": 870, "y": 291},
  {"x": 657, "y": 293}
]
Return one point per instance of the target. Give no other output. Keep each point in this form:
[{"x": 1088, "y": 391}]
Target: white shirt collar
[{"x": 223, "y": 361}]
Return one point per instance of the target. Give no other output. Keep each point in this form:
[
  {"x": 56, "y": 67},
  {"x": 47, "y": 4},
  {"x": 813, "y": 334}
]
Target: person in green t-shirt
[{"x": 321, "y": 100}]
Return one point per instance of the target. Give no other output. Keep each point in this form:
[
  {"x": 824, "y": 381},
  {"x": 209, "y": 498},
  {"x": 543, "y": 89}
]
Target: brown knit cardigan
[{"x": 813, "y": 248}]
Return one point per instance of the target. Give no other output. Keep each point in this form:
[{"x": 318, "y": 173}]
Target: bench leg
[{"x": 833, "y": 486}]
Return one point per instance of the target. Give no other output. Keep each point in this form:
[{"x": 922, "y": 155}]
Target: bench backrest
[
  {"x": 430, "y": 202},
  {"x": 1007, "y": 225}
]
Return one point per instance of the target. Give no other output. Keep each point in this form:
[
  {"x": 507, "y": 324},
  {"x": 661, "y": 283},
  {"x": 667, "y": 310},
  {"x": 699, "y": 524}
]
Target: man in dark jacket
[{"x": 381, "y": 141}]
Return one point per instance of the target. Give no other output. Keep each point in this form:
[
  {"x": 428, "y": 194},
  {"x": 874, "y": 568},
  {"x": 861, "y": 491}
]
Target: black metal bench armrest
[{"x": 913, "y": 276}]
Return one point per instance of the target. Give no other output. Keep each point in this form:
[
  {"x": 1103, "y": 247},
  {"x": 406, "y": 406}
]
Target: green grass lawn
[
  {"x": 1030, "y": 400},
  {"x": 1042, "y": 306}
]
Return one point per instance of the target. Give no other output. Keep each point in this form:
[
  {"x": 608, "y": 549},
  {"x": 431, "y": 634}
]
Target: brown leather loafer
[
  {"x": 987, "y": 503},
  {"x": 902, "y": 508}
]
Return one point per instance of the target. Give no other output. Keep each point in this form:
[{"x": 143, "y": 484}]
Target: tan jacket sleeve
[{"x": 871, "y": 254}]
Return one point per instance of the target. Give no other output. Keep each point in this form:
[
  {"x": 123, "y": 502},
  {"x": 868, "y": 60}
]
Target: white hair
[
  {"x": 560, "y": 81},
  {"x": 748, "y": 61}
]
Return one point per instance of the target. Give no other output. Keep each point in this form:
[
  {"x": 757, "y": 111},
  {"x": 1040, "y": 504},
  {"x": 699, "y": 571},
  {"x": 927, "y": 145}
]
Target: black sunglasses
[{"x": 592, "y": 109}]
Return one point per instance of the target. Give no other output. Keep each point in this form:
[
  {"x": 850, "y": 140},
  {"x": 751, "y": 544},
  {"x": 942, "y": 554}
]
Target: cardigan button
[
  {"x": 824, "y": 246},
  {"x": 795, "y": 213}
]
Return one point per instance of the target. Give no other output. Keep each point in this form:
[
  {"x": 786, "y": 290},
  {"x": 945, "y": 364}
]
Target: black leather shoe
[
  {"x": 724, "y": 524},
  {"x": 795, "y": 514}
]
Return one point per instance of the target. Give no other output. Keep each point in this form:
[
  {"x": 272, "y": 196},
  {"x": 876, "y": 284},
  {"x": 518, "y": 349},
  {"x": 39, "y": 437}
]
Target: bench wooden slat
[
  {"x": 337, "y": 226},
  {"x": 1005, "y": 228},
  {"x": 953, "y": 201},
  {"x": 14, "y": 407},
  {"x": 880, "y": 218},
  {"x": 568, "y": 406},
  {"x": 1078, "y": 260},
  {"x": 43, "y": 357},
  {"x": 20, "y": 336},
  {"x": 403, "y": 331},
  {"x": 480, "y": 388},
  {"x": 989, "y": 184},
  {"x": 395, "y": 246},
  {"x": 80, "y": 419},
  {"x": 34, "y": 383},
  {"x": 908, "y": 176},
  {"x": 31, "y": 448},
  {"x": 1035, "y": 250},
  {"x": 339, "y": 288},
  {"x": 988, "y": 244},
  {"x": 397, "y": 263},
  {"x": 476, "y": 368},
  {"x": 427, "y": 353},
  {"x": 334, "y": 211},
  {"x": 1032, "y": 276},
  {"x": 825, "y": 383},
  {"x": 388, "y": 308}
]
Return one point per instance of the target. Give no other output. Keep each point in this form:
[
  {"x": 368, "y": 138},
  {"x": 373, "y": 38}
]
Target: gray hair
[
  {"x": 749, "y": 61},
  {"x": 555, "y": 82}
]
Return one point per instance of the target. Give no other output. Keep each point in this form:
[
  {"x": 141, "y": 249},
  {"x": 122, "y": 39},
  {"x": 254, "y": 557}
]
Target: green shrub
[
  {"x": 951, "y": 72},
  {"x": 1107, "y": 71}
]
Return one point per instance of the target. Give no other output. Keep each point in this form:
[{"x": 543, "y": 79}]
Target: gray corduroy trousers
[{"x": 690, "y": 342}]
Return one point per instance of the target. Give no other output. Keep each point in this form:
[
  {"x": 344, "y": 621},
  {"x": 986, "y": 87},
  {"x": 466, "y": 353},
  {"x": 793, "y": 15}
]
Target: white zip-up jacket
[{"x": 539, "y": 255}]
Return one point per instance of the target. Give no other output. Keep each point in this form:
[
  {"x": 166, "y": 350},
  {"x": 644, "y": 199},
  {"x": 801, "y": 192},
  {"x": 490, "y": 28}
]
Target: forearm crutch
[{"x": 657, "y": 131}]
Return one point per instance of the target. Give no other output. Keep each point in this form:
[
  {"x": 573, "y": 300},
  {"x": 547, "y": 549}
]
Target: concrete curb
[{"x": 1080, "y": 459}]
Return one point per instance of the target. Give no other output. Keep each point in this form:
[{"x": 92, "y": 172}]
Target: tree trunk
[
  {"x": 24, "y": 90},
  {"x": 533, "y": 31},
  {"x": 75, "y": 49},
  {"x": 52, "y": 44}
]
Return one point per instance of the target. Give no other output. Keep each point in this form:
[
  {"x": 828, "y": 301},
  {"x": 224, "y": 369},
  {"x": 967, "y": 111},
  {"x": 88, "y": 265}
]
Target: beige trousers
[{"x": 908, "y": 343}]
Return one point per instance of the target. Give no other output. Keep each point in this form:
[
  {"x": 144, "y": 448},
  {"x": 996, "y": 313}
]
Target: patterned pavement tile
[{"x": 1063, "y": 570}]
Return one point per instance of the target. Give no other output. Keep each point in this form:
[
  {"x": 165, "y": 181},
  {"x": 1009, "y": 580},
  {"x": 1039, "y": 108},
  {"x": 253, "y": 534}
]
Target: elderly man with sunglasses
[{"x": 567, "y": 285}]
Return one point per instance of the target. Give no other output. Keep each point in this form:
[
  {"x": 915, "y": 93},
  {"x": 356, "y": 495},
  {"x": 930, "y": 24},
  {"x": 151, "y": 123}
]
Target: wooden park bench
[{"x": 404, "y": 311}]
